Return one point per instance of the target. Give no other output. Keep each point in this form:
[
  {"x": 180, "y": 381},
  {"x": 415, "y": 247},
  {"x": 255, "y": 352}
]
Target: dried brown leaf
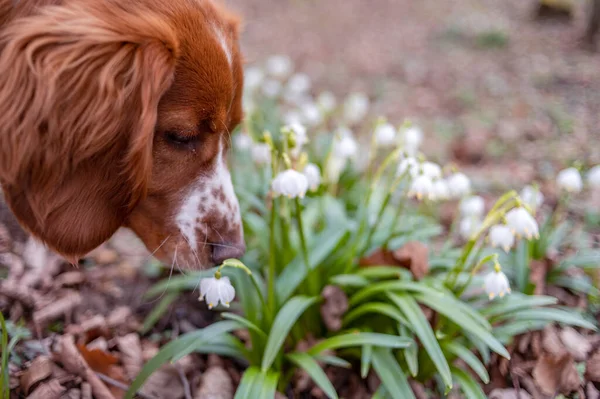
[
  {"x": 48, "y": 390},
  {"x": 575, "y": 343},
  {"x": 592, "y": 367},
  {"x": 551, "y": 341},
  {"x": 334, "y": 307},
  {"x": 509, "y": 393},
  {"x": 131, "y": 354},
  {"x": 554, "y": 374},
  {"x": 57, "y": 309},
  {"x": 69, "y": 279},
  {"x": 414, "y": 256},
  {"x": 39, "y": 370},
  {"x": 215, "y": 384}
]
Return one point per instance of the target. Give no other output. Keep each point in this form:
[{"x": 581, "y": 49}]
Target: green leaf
[
  {"x": 245, "y": 322},
  {"x": 464, "y": 321},
  {"x": 383, "y": 272},
  {"x": 576, "y": 283},
  {"x": 420, "y": 326},
  {"x": 315, "y": 372},
  {"x": 359, "y": 339},
  {"x": 284, "y": 321},
  {"x": 365, "y": 360},
  {"x": 294, "y": 273},
  {"x": 391, "y": 375},
  {"x": 349, "y": 280},
  {"x": 564, "y": 316},
  {"x": 179, "y": 283},
  {"x": 4, "y": 381},
  {"x": 375, "y": 307},
  {"x": 505, "y": 333},
  {"x": 514, "y": 302},
  {"x": 180, "y": 347},
  {"x": 269, "y": 385},
  {"x": 333, "y": 361},
  {"x": 468, "y": 385},
  {"x": 251, "y": 378},
  {"x": 588, "y": 260},
  {"x": 469, "y": 358},
  {"x": 158, "y": 311},
  {"x": 411, "y": 354}
]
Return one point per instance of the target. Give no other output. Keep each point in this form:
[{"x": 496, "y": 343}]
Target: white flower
[
  {"x": 569, "y": 180},
  {"x": 496, "y": 284},
  {"x": 469, "y": 226},
  {"x": 421, "y": 187},
  {"x": 532, "y": 197},
  {"x": 290, "y": 183},
  {"x": 431, "y": 170},
  {"x": 291, "y": 117},
  {"x": 279, "y": 66},
  {"x": 334, "y": 168},
  {"x": 311, "y": 114},
  {"x": 385, "y": 135},
  {"x": 313, "y": 176},
  {"x": 521, "y": 223},
  {"x": 459, "y": 185},
  {"x": 261, "y": 153},
  {"x": 326, "y": 101},
  {"x": 593, "y": 177},
  {"x": 344, "y": 145},
  {"x": 271, "y": 88},
  {"x": 412, "y": 138},
  {"x": 440, "y": 190},
  {"x": 472, "y": 206},
  {"x": 243, "y": 141},
  {"x": 253, "y": 77},
  {"x": 214, "y": 290},
  {"x": 410, "y": 164},
  {"x": 299, "y": 133},
  {"x": 356, "y": 107},
  {"x": 501, "y": 236},
  {"x": 298, "y": 84}
]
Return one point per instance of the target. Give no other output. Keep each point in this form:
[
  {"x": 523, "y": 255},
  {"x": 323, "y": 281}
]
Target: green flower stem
[
  {"x": 478, "y": 266},
  {"x": 237, "y": 264},
  {"x": 271, "y": 301}
]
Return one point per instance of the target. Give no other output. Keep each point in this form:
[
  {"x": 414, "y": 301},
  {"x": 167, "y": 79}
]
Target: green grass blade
[
  {"x": 468, "y": 385},
  {"x": 463, "y": 321},
  {"x": 391, "y": 375},
  {"x": 295, "y": 272},
  {"x": 349, "y": 280},
  {"x": 285, "y": 319},
  {"x": 179, "y": 283},
  {"x": 4, "y": 382},
  {"x": 365, "y": 360},
  {"x": 158, "y": 310},
  {"x": 245, "y": 322},
  {"x": 315, "y": 372},
  {"x": 469, "y": 358},
  {"x": 422, "y": 329},
  {"x": 333, "y": 361},
  {"x": 359, "y": 339},
  {"x": 564, "y": 316},
  {"x": 514, "y": 302},
  {"x": 375, "y": 307},
  {"x": 411, "y": 354},
  {"x": 177, "y": 347},
  {"x": 250, "y": 379},
  {"x": 268, "y": 387}
]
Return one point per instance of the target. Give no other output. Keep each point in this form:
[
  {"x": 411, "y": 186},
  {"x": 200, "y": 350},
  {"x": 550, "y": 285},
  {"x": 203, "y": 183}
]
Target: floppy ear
[{"x": 79, "y": 90}]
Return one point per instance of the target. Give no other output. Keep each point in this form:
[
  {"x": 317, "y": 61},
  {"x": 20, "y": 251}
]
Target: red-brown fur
[{"x": 89, "y": 91}]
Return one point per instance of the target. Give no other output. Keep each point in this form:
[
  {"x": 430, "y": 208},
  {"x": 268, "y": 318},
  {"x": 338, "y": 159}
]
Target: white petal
[{"x": 569, "y": 180}]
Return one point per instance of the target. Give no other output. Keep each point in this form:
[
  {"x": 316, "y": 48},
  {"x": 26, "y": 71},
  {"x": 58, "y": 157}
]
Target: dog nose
[{"x": 222, "y": 252}]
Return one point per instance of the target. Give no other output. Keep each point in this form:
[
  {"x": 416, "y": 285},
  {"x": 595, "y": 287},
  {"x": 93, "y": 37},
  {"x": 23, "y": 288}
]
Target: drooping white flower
[
  {"x": 408, "y": 164},
  {"x": 291, "y": 117},
  {"x": 593, "y": 177},
  {"x": 459, "y": 185},
  {"x": 431, "y": 170},
  {"x": 440, "y": 190},
  {"x": 298, "y": 85},
  {"x": 385, "y": 135},
  {"x": 412, "y": 138},
  {"x": 356, "y": 107},
  {"x": 253, "y": 77},
  {"x": 216, "y": 290},
  {"x": 472, "y": 206},
  {"x": 501, "y": 236},
  {"x": 271, "y": 88},
  {"x": 421, "y": 187},
  {"x": 521, "y": 223},
  {"x": 496, "y": 284},
  {"x": 326, "y": 100},
  {"x": 242, "y": 141},
  {"x": 279, "y": 66},
  {"x": 344, "y": 145},
  {"x": 261, "y": 153},
  {"x": 290, "y": 183},
  {"x": 469, "y": 226},
  {"x": 569, "y": 180},
  {"x": 313, "y": 176},
  {"x": 311, "y": 114},
  {"x": 532, "y": 197}
]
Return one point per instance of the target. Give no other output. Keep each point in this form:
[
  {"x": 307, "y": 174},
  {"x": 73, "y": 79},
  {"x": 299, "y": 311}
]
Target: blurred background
[{"x": 508, "y": 89}]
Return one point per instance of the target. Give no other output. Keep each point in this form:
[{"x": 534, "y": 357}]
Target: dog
[{"x": 118, "y": 114}]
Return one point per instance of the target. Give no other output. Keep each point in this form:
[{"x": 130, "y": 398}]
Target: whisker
[
  {"x": 169, "y": 280},
  {"x": 193, "y": 251}
]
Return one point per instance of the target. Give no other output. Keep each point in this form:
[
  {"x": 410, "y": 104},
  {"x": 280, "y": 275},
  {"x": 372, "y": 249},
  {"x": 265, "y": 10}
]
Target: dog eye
[{"x": 180, "y": 139}]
